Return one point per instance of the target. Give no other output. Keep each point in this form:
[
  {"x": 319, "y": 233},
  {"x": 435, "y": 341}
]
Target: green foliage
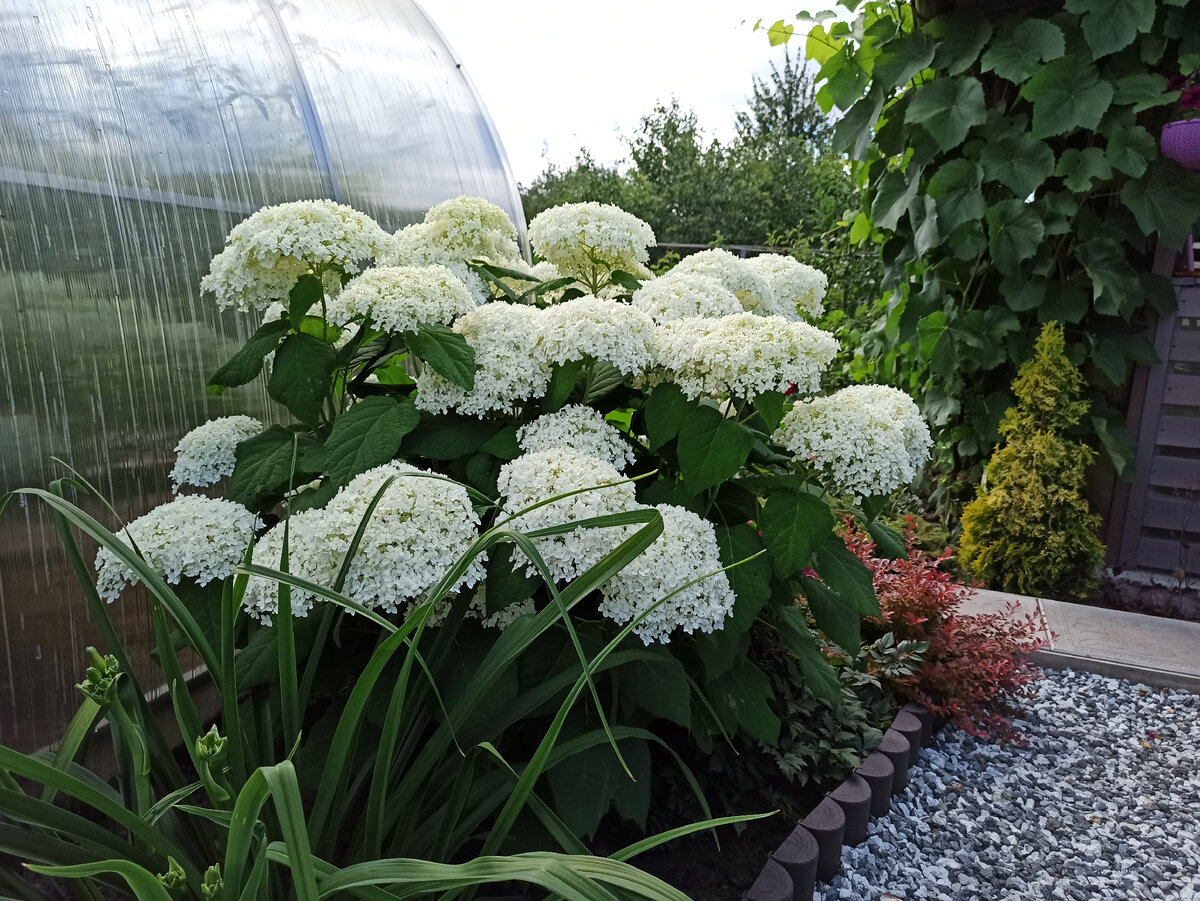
[
  {"x": 1029, "y": 529},
  {"x": 1011, "y": 178}
]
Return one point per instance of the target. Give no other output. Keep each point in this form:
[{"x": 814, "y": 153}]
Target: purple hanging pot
[{"x": 1180, "y": 142}]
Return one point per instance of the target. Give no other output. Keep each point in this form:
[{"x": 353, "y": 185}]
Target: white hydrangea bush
[
  {"x": 577, "y": 428},
  {"x": 685, "y": 295},
  {"x": 865, "y": 440},
  {"x": 266, "y": 253},
  {"x": 751, "y": 289},
  {"x": 591, "y": 240},
  {"x": 193, "y": 537},
  {"x": 797, "y": 286},
  {"x": 402, "y": 298},
  {"x": 606, "y": 330},
  {"x": 207, "y": 453}
]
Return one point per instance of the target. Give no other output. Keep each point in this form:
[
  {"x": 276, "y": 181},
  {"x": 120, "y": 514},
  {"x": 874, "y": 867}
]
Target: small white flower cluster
[
  {"x": 535, "y": 477},
  {"x": 680, "y": 295},
  {"x": 686, "y": 550},
  {"x": 402, "y": 298},
  {"x": 796, "y": 286},
  {"x": 419, "y": 529},
  {"x": 510, "y": 362},
  {"x": 266, "y": 253},
  {"x": 750, "y": 288},
  {"x": 744, "y": 354},
  {"x": 573, "y": 236},
  {"x": 592, "y": 327},
  {"x": 454, "y": 233},
  {"x": 205, "y": 455},
  {"x": 577, "y": 428},
  {"x": 865, "y": 439},
  {"x": 200, "y": 538}
]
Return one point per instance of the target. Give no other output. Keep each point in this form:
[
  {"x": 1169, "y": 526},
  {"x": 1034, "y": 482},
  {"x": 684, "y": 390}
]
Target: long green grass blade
[
  {"x": 145, "y": 884},
  {"x": 92, "y": 837},
  {"x": 285, "y": 793},
  {"x": 231, "y": 605},
  {"x": 241, "y": 831},
  {"x": 27, "y": 845},
  {"x": 289, "y": 689},
  {"x": 164, "y": 804},
  {"x": 77, "y": 733},
  {"x": 653, "y": 841}
]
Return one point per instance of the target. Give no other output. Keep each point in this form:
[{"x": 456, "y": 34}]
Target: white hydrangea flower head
[
  {"x": 418, "y": 530},
  {"x": 511, "y": 366},
  {"x": 316, "y": 546},
  {"x": 535, "y": 477},
  {"x": 686, "y": 294},
  {"x": 472, "y": 228},
  {"x": 686, "y": 550},
  {"x": 607, "y": 330},
  {"x": 205, "y": 455},
  {"x": 414, "y": 247},
  {"x": 578, "y": 428},
  {"x": 200, "y": 538},
  {"x": 744, "y": 354},
  {"x": 402, "y": 298},
  {"x": 865, "y": 439},
  {"x": 573, "y": 235},
  {"x": 731, "y": 271},
  {"x": 265, "y": 254},
  {"x": 797, "y": 287},
  {"x": 274, "y": 312}
]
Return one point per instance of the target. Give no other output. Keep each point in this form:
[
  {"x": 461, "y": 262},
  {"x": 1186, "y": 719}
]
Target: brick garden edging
[{"x": 813, "y": 851}]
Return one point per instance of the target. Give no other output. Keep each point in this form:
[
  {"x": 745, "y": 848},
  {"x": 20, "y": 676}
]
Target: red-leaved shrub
[{"x": 976, "y": 669}]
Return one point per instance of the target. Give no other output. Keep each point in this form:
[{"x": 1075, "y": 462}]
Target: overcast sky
[{"x": 558, "y": 75}]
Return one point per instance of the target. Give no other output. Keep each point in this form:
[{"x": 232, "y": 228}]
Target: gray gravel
[{"x": 1103, "y": 802}]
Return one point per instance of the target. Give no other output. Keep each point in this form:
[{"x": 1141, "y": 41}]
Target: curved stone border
[{"x": 813, "y": 851}]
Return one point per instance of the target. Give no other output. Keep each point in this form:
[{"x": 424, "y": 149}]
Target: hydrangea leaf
[
  {"x": 301, "y": 376},
  {"x": 507, "y": 585},
  {"x": 1067, "y": 94},
  {"x": 563, "y": 379},
  {"x": 1164, "y": 200},
  {"x": 583, "y": 783},
  {"x": 743, "y": 693},
  {"x": 717, "y": 651},
  {"x": 659, "y": 686},
  {"x": 888, "y": 542},
  {"x": 847, "y": 575},
  {"x": 248, "y": 362},
  {"x": 264, "y": 464},
  {"x": 632, "y": 797},
  {"x": 835, "y": 616},
  {"x": 1014, "y": 233},
  {"x": 447, "y": 353},
  {"x": 665, "y": 411},
  {"x": 770, "y": 406},
  {"x": 1018, "y": 161},
  {"x": 750, "y": 581},
  {"x": 820, "y": 678},
  {"x": 305, "y": 295},
  {"x": 448, "y": 436},
  {"x": 712, "y": 448},
  {"x": 956, "y": 187},
  {"x": 601, "y": 378},
  {"x": 1131, "y": 149},
  {"x": 1109, "y": 25},
  {"x": 947, "y": 109},
  {"x": 368, "y": 435},
  {"x": 792, "y": 526},
  {"x": 1079, "y": 168}
]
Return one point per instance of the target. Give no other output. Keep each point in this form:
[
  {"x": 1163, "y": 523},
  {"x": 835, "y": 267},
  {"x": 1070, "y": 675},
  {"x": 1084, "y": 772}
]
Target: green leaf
[
  {"x": 507, "y": 585},
  {"x": 248, "y": 362},
  {"x": 1114, "y": 282},
  {"x": 847, "y": 575},
  {"x": 793, "y": 525},
  {"x": 854, "y": 131},
  {"x": 1079, "y": 168},
  {"x": 712, "y": 448},
  {"x": 1067, "y": 94},
  {"x": 819, "y": 46},
  {"x": 1131, "y": 149},
  {"x": 563, "y": 379},
  {"x": 893, "y": 195},
  {"x": 258, "y": 662},
  {"x": 1166, "y": 200},
  {"x": 146, "y": 886},
  {"x": 820, "y": 678},
  {"x": 665, "y": 412},
  {"x": 1016, "y": 58},
  {"x": 1107, "y": 357},
  {"x": 930, "y": 330},
  {"x": 780, "y": 33},
  {"x": 1018, "y": 161},
  {"x": 301, "y": 376},
  {"x": 600, "y": 379},
  {"x": 947, "y": 109},
  {"x": 626, "y": 280},
  {"x": 956, "y": 187},
  {"x": 960, "y": 39},
  {"x": 835, "y": 616},
  {"x": 888, "y": 542},
  {"x": 860, "y": 230},
  {"x": 632, "y": 797},
  {"x": 923, "y": 214},
  {"x": 1109, "y": 25},
  {"x": 503, "y": 444},
  {"x": 743, "y": 692},
  {"x": 368, "y": 435},
  {"x": 1142, "y": 91},
  {"x": 660, "y": 687},
  {"x": 448, "y": 436},
  {"x": 263, "y": 465},
  {"x": 1014, "y": 233},
  {"x": 305, "y": 294},
  {"x": 751, "y": 581},
  {"x": 447, "y": 353},
  {"x": 770, "y": 406},
  {"x": 1021, "y": 294},
  {"x": 901, "y": 59}
]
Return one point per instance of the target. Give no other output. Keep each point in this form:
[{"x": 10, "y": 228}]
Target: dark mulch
[{"x": 1178, "y": 601}]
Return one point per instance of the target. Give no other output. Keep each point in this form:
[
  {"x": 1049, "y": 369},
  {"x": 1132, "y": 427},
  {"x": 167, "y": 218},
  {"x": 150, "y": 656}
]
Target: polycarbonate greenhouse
[{"x": 133, "y": 135}]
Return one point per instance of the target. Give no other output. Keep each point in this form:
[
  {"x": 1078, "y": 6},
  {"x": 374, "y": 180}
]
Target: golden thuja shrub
[{"x": 1029, "y": 528}]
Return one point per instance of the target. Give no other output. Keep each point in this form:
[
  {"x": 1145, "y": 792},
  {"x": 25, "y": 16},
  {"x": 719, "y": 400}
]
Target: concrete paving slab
[{"x": 1150, "y": 649}]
